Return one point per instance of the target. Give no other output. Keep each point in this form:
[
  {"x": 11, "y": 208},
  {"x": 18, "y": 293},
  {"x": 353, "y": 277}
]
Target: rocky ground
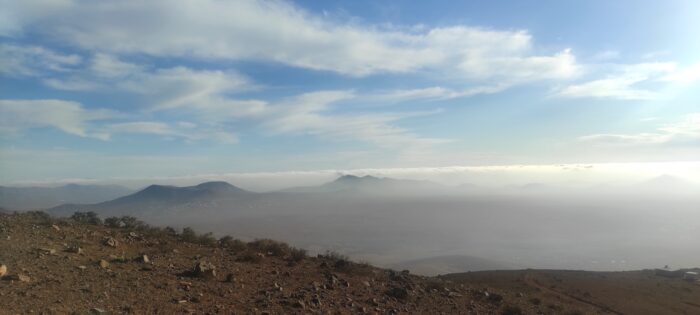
[
  {"x": 80, "y": 266},
  {"x": 626, "y": 292},
  {"x": 66, "y": 267}
]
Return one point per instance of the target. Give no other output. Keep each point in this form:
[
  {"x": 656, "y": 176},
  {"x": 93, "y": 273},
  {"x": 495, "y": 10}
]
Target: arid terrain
[
  {"x": 122, "y": 266},
  {"x": 628, "y": 292}
]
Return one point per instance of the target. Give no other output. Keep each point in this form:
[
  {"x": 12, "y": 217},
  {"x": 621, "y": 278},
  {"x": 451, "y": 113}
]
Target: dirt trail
[{"x": 531, "y": 281}]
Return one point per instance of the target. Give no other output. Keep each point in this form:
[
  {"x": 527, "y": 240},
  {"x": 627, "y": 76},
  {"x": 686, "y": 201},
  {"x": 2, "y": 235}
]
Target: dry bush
[
  {"x": 206, "y": 239},
  {"x": 89, "y": 217},
  {"x": 297, "y": 254},
  {"x": 41, "y": 217},
  {"x": 270, "y": 247},
  {"x": 232, "y": 244},
  {"x": 113, "y": 222},
  {"x": 250, "y": 256},
  {"x": 188, "y": 235}
]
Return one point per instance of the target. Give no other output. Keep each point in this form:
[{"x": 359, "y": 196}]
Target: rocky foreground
[{"x": 82, "y": 266}]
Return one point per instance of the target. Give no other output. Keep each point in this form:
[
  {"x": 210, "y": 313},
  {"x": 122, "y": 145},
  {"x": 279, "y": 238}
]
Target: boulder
[
  {"x": 204, "y": 269},
  {"x": 110, "y": 241}
]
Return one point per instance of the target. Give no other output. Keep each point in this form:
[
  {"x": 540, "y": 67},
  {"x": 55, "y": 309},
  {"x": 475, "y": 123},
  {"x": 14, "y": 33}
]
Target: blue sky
[{"x": 122, "y": 89}]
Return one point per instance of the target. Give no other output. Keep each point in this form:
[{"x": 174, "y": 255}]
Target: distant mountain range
[
  {"x": 34, "y": 198},
  {"x": 156, "y": 200},
  {"x": 370, "y": 184}
]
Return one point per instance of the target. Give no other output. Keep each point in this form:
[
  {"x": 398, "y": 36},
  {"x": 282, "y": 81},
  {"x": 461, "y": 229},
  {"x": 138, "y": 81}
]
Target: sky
[{"x": 105, "y": 90}]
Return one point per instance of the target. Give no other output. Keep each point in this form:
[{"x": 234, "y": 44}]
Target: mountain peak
[
  {"x": 354, "y": 178},
  {"x": 216, "y": 185}
]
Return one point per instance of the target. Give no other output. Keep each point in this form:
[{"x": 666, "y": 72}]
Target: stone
[
  {"x": 104, "y": 264},
  {"x": 204, "y": 269},
  {"x": 144, "y": 259},
  {"x": 231, "y": 278},
  {"x": 55, "y": 227},
  {"x": 300, "y": 304},
  {"x": 19, "y": 277},
  {"x": 110, "y": 241},
  {"x": 81, "y": 267},
  {"x": 96, "y": 310},
  {"x": 3, "y": 270},
  {"x": 47, "y": 251},
  {"x": 75, "y": 249}
]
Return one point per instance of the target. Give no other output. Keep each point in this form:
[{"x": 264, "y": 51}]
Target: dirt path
[{"x": 531, "y": 281}]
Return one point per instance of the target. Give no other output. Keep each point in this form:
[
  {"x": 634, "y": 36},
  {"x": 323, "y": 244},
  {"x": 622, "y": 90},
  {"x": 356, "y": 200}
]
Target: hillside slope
[{"x": 46, "y": 273}]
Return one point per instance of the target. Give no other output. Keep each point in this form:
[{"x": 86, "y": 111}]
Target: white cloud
[
  {"x": 430, "y": 93},
  {"x": 242, "y": 30},
  {"x": 183, "y": 130},
  {"x": 26, "y": 60},
  {"x": 687, "y": 130},
  {"x": 308, "y": 114},
  {"x": 69, "y": 117},
  {"x": 685, "y": 75},
  {"x": 623, "y": 84},
  {"x": 104, "y": 65}
]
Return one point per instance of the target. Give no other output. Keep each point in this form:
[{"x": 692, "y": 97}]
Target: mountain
[
  {"x": 450, "y": 264},
  {"x": 160, "y": 199},
  {"x": 370, "y": 184},
  {"x": 32, "y": 198},
  {"x": 173, "y": 194}
]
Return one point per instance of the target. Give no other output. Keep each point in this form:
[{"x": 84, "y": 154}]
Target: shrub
[
  {"x": 89, "y": 217},
  {"x": 41, "y": 217},
  {"x": 297, "y": 254},
  {"x": 231, "y": 243},
  {"x": 113, "y": 222},
  {"x": 206, "y": 239},
  {"x": 270, "y": 247},
  {"x": 188, "y": 235},
  {"x": 170, "y": 230},
  {"x": 250, "y": 256},
  {"x": 130, "y": 222},
  {"x": 335, "y": 256}
]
